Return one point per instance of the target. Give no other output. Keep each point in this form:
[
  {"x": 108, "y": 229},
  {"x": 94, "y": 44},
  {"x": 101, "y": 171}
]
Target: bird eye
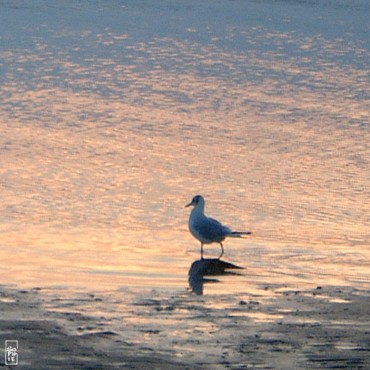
[{"x": 196, "y": 199}]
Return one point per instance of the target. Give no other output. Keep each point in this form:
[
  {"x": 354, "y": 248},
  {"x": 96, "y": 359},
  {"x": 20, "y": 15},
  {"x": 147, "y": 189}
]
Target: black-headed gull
[{"x": 208, "y": 230}]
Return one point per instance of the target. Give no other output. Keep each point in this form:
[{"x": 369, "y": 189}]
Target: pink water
[{"x": 111, "y": 120}]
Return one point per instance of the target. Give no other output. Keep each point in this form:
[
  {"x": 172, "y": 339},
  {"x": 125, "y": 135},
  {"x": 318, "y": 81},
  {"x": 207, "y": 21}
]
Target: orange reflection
[{"x": 95, "y": 179}]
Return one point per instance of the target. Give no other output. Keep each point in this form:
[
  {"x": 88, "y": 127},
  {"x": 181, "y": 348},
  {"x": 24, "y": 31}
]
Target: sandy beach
[
  {"x": 322, "y": 328},
  {"x": 47, "y": 340}
]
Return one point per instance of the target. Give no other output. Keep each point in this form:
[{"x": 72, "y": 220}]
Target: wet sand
[
  {"x": 326, "y": 327},
  {"x": 46, "y": 339}
]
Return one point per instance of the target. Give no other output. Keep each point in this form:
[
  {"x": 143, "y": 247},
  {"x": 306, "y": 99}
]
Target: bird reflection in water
[{"x": 209, "y": 267}]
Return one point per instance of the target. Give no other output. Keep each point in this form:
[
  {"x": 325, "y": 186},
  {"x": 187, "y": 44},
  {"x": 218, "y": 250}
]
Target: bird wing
[{"x": 216, "y": 230}]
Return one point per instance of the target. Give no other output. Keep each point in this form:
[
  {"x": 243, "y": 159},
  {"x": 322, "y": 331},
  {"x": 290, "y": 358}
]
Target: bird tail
[{"x": 239, "y": 234}]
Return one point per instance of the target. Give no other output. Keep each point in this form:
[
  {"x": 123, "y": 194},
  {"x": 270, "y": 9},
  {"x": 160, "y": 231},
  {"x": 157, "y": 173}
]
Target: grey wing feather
[{"x": 218, "y": 229}]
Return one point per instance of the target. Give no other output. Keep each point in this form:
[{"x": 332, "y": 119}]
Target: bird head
[{"x": 195, "y": 201}]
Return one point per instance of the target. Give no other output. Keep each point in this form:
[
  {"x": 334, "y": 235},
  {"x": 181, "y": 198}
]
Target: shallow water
[{"x": 114, "y": 115}]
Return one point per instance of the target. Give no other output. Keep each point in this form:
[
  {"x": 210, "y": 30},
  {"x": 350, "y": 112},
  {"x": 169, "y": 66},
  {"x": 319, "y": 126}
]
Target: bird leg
[
  {"x": 201, "y": 250},
  {"x": 222, "y": 251}
]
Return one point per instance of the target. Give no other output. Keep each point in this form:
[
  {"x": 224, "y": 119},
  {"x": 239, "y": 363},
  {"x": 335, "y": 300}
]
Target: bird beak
[{"x": 188, "y": 205}]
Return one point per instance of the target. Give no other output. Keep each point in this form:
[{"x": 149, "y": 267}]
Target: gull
[{"x": 208, "y": 230}]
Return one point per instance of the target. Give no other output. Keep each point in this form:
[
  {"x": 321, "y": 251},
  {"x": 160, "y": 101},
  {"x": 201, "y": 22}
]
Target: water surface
[{"x": 114, "y": 115}]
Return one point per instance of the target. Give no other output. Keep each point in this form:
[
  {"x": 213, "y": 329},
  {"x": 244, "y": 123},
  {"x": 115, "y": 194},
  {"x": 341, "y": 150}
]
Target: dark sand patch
[
  {"x": 45, "y": 343},
  {"x": 323, "y": 328}
]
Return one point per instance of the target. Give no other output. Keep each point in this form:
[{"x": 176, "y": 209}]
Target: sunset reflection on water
[{"x": 103, "y": 145}]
